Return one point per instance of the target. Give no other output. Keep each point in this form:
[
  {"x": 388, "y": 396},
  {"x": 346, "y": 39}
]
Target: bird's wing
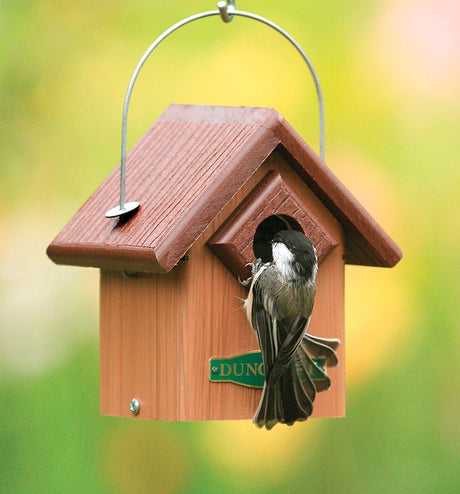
[
  {"x": 294, "y": 334},
  {"x": 264, "y": 325},
  {"x": 289, "y": 391},
  {"x": 263, "y": 322},
  {"x": 278, "y": 337}
]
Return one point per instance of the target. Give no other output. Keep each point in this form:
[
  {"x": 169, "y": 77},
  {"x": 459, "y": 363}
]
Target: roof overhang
[{"x": 183, "y": 171}]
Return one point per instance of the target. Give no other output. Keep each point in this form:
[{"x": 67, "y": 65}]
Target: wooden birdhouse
[{"x": 214, "y": 185}]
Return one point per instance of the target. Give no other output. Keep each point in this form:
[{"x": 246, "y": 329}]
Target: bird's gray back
[{"x": 291, "y": 297}]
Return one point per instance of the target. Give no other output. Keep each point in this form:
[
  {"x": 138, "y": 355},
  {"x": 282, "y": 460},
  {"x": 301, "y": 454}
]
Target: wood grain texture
[
  {"x": 158, "y": 331},
  {"x": 328, "y": 321},
  {"x": 184, "y": 171},
  {"x": 233, "y": 242}
]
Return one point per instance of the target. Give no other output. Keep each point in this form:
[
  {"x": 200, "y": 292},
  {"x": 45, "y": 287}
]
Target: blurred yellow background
[{"x": 390, "y": 73}]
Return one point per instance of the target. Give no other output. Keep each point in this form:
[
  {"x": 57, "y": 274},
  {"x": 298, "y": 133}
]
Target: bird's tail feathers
[
  {"x": 291, "y": 398},
  {"x": 321, "y": 347}
]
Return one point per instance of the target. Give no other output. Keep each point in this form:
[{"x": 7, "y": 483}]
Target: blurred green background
[{"x": 390, "y": 74}]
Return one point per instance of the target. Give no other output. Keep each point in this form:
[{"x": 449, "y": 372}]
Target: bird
[{"x": 279, "y": 306}]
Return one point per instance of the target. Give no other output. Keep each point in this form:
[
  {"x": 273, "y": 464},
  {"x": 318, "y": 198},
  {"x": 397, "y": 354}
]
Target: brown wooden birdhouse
[{"x": 214, "y": 185}]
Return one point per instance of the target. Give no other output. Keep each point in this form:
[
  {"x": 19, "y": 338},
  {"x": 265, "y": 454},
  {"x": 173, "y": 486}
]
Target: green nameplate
[{"x": 248, "y": 369}]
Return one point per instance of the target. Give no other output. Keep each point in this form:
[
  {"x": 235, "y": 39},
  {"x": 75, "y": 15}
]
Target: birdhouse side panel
[
  {"x": 140, "y": 335},
  {"x": 158, "y": 332}
]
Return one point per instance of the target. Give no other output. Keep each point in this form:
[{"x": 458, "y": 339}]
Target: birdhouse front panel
[
  {"x": 215, "y": 184},
  {"x": 159, "y": 331}
]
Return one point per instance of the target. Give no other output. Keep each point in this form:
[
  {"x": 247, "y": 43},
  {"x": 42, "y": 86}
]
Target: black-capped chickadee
[{"x": 279, "y": 307}]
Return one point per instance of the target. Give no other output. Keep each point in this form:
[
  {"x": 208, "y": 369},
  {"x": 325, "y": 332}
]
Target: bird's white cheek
[
  {"x": 284, "y": 259},
  {"x": 281, "y": 254}
]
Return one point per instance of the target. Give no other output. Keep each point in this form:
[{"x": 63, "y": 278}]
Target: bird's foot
[{"x": 254, "y": 268}]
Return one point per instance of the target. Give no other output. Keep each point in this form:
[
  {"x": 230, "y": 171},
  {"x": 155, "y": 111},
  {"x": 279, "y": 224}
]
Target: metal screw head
[
  {"x": 135, "y": 406},
  {"x": 214, "y": 370},
  {"x": 125, "y": 209}
]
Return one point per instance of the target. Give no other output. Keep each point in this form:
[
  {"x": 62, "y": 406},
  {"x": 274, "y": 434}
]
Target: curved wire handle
[{"x": 227, "y": 10}]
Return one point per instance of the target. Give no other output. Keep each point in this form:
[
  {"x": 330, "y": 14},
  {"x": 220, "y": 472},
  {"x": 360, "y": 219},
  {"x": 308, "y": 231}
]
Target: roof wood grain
[{"x": 183, "y": 171}]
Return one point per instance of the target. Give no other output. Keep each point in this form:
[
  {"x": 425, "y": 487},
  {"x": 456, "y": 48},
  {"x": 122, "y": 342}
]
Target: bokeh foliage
[{"x": 390, "y": 76}]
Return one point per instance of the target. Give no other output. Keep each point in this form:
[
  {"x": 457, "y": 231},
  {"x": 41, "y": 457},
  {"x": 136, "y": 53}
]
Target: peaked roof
[{"x": 183, "y": 171}]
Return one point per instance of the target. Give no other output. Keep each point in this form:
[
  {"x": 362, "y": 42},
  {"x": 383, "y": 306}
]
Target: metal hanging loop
[{"x": 226, "y": 10}]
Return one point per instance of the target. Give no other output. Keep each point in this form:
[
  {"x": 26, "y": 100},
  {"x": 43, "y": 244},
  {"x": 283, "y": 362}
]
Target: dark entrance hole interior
[{"x": 266, "y": 231}]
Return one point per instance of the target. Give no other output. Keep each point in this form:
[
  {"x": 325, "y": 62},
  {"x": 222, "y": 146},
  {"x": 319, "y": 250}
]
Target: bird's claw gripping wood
[{"x": 254, "y": 269}]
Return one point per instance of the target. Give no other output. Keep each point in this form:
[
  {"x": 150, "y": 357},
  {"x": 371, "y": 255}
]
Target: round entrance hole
[{"x": 266, "y": 231}]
